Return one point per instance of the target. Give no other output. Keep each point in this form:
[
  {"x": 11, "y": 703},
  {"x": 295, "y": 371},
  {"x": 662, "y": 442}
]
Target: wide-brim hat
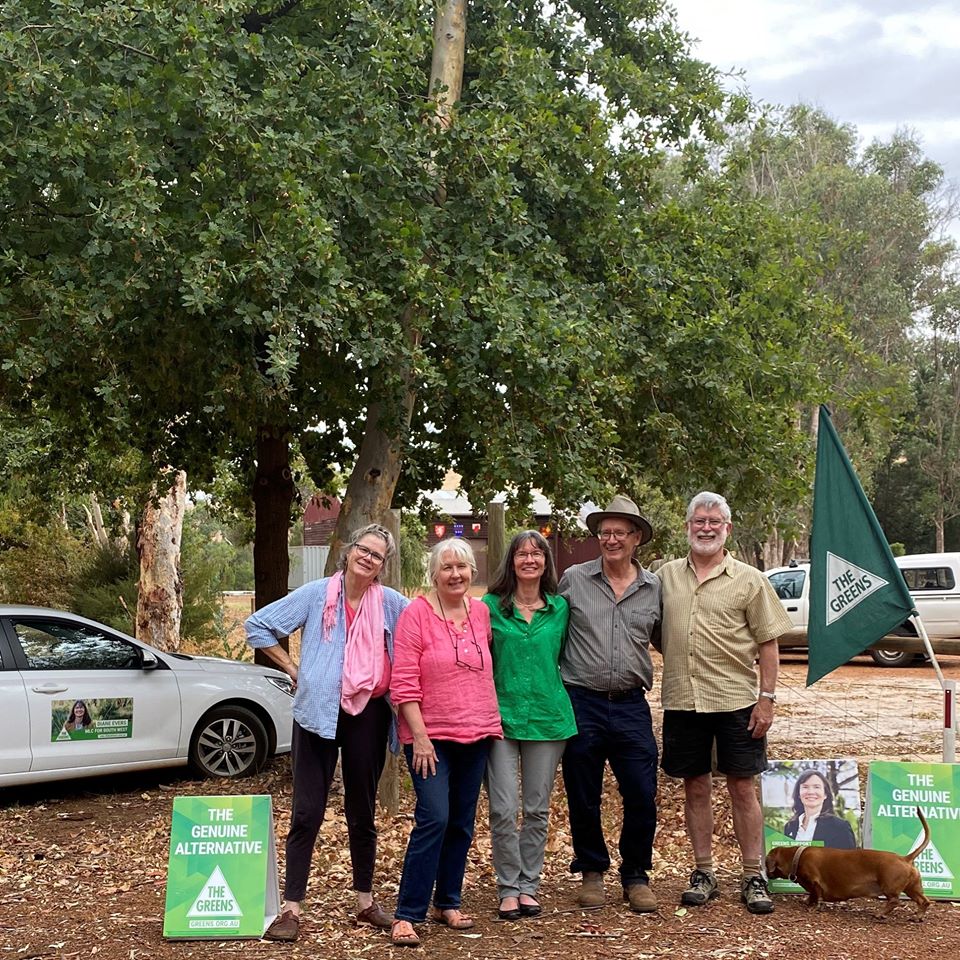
[{"x": 623, "y": 508}]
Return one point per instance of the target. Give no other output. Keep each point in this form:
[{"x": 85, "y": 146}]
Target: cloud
[
  {"x": 864, "y": 89},
  {"x": 864, "y": 62}
]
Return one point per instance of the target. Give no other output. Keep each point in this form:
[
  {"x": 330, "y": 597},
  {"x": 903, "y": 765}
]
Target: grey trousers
[{"x": 520, "y": 769}]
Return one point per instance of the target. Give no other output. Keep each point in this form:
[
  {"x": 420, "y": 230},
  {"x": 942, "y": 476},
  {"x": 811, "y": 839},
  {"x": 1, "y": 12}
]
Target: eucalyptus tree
[{"x": 220, "y": 238}]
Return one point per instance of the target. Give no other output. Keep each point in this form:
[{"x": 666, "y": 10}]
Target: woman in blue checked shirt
[{"x": 340, "y": 708}]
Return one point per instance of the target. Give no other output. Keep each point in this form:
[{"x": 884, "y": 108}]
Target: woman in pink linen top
[
  {"x": 455, "y": 704},
  {"x": 442, "y": 683}
]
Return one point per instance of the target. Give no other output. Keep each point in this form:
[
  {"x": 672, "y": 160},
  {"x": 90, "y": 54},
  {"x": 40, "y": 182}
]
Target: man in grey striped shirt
[{"x": 606, "y": 666}]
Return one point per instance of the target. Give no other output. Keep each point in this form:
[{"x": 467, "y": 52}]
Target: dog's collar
[{"x": 795, "y": 865}]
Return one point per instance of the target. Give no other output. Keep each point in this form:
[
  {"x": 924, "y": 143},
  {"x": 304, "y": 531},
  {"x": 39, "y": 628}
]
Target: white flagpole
[
  {"x": 950, "y": 721},
  {"x": 949, "y": 688}
]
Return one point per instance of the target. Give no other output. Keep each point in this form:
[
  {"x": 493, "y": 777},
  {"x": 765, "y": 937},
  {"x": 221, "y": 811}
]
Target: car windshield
[{"x": 788, "y": 584}]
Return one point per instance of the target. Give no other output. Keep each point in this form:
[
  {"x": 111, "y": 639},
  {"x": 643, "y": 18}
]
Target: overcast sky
[{"x": 878, "y": 64}]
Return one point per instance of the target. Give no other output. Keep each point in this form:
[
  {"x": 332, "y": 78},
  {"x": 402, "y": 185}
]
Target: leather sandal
[
  {"x": 375, "y": 916},
  {"x": 461, "y": 921},
  {"x": 403, "y": 939}
]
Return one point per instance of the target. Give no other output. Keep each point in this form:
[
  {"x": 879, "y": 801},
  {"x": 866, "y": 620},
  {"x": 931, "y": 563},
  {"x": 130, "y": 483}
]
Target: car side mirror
[{"x": 148, "y": 661}]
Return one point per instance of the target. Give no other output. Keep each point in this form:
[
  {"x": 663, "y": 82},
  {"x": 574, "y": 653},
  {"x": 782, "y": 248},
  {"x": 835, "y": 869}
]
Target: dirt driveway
[{"x": 83, "y": 863}]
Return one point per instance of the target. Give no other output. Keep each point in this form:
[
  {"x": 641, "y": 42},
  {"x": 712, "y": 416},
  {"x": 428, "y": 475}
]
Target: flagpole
[
  {"x": 949, "y": 688},
  {"x": 928, "y": 646},
  {"x": 950, "y": 722}
]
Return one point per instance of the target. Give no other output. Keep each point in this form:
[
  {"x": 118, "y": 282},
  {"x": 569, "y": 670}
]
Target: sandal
[
  {"x": 403, "y": 939},
  {"x": 453, "y": 918}
]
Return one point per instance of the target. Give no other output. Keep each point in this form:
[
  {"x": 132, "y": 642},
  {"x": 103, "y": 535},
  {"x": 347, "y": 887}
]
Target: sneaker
[
  {"x": 703, "y": 887},
  {"x": 591, "y": 893},
  {"x": 753, "y": 892},
  {"x": 640, "y": 897}
]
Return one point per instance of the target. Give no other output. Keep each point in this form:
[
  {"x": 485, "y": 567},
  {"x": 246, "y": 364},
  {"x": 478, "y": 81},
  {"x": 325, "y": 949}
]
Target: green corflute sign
[
  {"x": 222, "y": 868},
  {"x": 894, "y": 792}
]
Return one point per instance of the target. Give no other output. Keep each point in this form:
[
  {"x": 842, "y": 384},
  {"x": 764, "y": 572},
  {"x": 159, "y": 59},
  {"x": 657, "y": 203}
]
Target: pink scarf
[{"x": 363, "y": 655}]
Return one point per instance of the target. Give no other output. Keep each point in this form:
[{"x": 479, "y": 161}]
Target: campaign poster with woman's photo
[
  {"x": 810, "y": 803},
  {"x": 103, "y": 718}
]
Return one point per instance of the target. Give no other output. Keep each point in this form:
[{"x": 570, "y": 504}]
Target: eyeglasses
[
  {"x": 469, "y": 659},
  {"x": 462, "y": 653},
  {"x": 614, "y": 534},
  {"x": 712, "y": 522},
  {"x": 367, "y": 552},
  {"x": 530, "y": 555}
]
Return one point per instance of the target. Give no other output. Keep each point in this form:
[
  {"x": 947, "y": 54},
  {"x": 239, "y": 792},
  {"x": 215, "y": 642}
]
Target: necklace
[
  {"x": 443, "y": 613},
  {"x": 536, "y": 605}
]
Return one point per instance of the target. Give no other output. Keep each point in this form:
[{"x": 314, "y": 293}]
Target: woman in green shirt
[{"x": 529, "y": 623}]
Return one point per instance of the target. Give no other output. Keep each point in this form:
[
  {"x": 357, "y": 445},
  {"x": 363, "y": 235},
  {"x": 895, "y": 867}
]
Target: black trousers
[
  {"x": 619, "y": 732},
  {"x": 361, "y": 743}
]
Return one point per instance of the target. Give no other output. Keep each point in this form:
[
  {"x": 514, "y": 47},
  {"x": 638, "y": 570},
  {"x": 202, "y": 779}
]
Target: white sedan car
[{"x": 79, "y": 699}]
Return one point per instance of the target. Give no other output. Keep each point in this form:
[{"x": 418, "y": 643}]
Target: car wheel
[
  {"x": 229, "y": 741},
  {"x": 892, "y": 658}
]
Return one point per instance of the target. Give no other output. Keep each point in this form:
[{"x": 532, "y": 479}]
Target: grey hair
[
  {"x": 709, "y": 501},
  {"x": 461, "y": 549},
  {"x": 375, "y": 530}
]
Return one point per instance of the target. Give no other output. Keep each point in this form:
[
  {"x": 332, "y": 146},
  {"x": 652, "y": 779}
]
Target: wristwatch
[{"x": 772, "y": 697}]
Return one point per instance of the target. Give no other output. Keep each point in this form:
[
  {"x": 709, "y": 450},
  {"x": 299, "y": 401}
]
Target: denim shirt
[{"x": 316, "y": 703}]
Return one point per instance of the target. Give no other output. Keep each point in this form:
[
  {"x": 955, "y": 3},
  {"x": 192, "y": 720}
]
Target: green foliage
[
  {"x": 106, "y": 587},
  {"x": 38, "y": 560},
  {"x": 872, "y": 220},
  {"x": 211, "y": 222},
  {"x": 43, "y": 562},
  {"x": 413, "y": 557},
  {"x": 207, "y": 561},
  {"x": 919, "y": 496}
]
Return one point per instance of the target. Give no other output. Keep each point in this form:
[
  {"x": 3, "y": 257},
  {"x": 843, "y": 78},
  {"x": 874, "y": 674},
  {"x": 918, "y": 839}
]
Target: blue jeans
[
  {"x": 620, "y": 731},
  {"x": 443, "y": 828}
]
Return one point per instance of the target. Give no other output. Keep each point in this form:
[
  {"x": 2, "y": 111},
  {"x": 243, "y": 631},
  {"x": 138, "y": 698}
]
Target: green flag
[{"x": 857, "y": 593}]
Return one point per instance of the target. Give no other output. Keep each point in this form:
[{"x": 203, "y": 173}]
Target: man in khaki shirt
[{"x": 720, "y": 618}]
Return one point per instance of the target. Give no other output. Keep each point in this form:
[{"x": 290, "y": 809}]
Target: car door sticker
[{"x": 103, "y": 718}]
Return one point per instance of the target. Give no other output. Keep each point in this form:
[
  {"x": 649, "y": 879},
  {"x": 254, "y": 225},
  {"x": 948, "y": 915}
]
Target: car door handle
[
  {"x": 49, "y": 688},
  {"x": 792, "y": 609}
]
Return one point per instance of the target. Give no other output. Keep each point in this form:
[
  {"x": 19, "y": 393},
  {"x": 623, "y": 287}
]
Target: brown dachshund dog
[{"x": 832, "y": 875}]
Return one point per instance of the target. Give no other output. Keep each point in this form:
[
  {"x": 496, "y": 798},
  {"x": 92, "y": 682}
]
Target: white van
[{"x": 933, "y": 580}]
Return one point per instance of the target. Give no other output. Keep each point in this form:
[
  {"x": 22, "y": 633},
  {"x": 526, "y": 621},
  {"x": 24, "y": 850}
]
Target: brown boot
[
  {"x": 640, "y": 897},
  {"x": 591, "y": 893}
]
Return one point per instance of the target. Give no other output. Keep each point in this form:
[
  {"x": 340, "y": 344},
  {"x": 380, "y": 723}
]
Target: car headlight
[{"x": 282, "y": 683}]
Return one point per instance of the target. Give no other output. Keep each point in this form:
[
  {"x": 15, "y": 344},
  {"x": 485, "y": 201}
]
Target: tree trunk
[
  {"x": 496, "y": 537},
  {"x": 374, "y": 478},
  {"x": 389, "y": 789},
  {"x": 95, "y": 525},
  {"x": 273, "y": 491},
  {"x": 446, "y": 68},
  {"x": 772, "y": 550},
  {"x": 380, "y": 459},
  {"x": 160, "y": 597}
]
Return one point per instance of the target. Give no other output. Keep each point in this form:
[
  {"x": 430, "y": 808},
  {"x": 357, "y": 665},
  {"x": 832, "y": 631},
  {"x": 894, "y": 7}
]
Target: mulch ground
[{"x": 83, "y": 874}]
